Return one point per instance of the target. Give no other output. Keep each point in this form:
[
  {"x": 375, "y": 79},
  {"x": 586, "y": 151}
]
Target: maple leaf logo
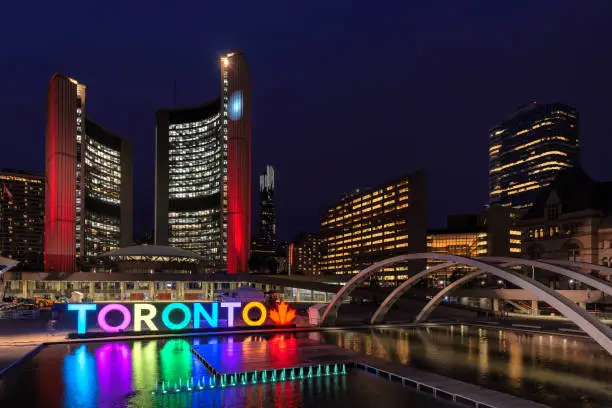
[{"x": 283, "y": 314}]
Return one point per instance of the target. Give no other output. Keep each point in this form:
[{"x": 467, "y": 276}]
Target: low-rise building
[
  {"x": 570, "y": 220},
  {"x": 490, "y": 233}
]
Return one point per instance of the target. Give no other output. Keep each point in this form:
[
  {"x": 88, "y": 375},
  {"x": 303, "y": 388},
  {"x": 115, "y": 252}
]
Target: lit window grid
[
  {"x": 102, "y": 233},
  {"x": 195, "y": 159},
  {"x": 461, "y": 244},
  {"x": 199, "y": 231},
  {"x": 533, "y": 154},
  {"x": 102, "y": 172},
  {"x": 353, "y": 234},
  {"x": 23, "y": 222}
]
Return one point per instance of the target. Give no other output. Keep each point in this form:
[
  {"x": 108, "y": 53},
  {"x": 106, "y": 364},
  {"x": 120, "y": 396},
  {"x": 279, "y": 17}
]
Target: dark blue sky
[{"x": 346, "y": 94}]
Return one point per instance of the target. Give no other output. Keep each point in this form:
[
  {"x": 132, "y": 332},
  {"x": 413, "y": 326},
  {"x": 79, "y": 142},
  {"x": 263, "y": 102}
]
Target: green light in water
[
  {"x": 319, "y": 372},
  {"x": 343, "y": 368},
  {"x": 327, "y": 370},
  {"x": 335, "y": 369},
  {"x": 310, "y": 372},
  {"x": 254, "y": 378},
  {"x": 264, "y": 376},
  {"x": 273, "y": 379}
]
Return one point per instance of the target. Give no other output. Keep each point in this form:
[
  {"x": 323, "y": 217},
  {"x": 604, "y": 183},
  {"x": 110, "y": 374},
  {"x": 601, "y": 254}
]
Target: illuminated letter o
[
  {"x": 127, "y": 318},
  {"x": 176, "y": 326},
  {"x": 262, "y": 318}
]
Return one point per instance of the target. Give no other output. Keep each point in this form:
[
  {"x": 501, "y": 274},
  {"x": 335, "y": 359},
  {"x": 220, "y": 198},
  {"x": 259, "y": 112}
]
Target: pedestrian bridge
[{"x": 497, "y": 266}]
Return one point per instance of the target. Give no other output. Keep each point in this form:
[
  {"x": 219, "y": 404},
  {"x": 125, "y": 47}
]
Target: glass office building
[
  {"x": 107, "y": 182},
  {"x": 203, "y": 177},
  {"x": 528, "y": 149},
  {"x": 88, "y": 191}
]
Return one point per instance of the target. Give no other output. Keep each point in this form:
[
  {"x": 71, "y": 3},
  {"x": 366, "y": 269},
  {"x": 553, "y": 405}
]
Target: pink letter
[{"x": 127, "y": 318}]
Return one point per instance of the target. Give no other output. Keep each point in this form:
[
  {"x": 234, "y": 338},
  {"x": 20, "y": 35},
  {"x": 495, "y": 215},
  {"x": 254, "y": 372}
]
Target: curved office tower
[
  {"x": 203, "y": 173},
  {"x": 88, "y": 192}
]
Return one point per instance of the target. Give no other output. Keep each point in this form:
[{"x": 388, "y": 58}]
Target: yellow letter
[{"x": 262, "y": 318}]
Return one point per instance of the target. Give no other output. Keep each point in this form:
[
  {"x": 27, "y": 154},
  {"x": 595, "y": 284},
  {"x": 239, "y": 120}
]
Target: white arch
[
  {"x": 8, "y": 264},
  {"x": 403, "y": 288},
  {"x": 589, "y": 280},
  {"x": 435, "y": 301},
  {"x": 598, "y": 331},
  {"x": 576, "y": 264}
]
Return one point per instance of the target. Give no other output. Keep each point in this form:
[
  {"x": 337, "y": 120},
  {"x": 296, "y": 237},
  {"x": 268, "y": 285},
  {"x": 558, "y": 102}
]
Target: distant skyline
[{"x": 345, "y": 95}]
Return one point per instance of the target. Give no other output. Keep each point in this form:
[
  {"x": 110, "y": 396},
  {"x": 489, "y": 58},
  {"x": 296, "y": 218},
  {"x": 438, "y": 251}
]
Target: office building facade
[
  {"x": 491, "y": 233},
  {"x": 88, "y": 193},
  {"x": 368, "y": 226},
  {"x": 528, "y": 149},
  {"x": 267, "y": 216},
  {"x": 22, "y": 218},
  {"x": 305, "y": 254},
  {"x": 203, "y": 173}
]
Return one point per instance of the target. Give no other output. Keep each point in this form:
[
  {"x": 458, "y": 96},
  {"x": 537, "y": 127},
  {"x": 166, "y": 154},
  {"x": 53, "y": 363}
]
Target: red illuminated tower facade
[
  {"x": 237, "y": 104},
  {"x": 88, "y": 189},
  {"x": 203, "y": 173},
  {"x": 64, "y": 130}
]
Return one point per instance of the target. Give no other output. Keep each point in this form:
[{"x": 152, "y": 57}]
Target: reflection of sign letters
[{"x": 142, "y": 315}]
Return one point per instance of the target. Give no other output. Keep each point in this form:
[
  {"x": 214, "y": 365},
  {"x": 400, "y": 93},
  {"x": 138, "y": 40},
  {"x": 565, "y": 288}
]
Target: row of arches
[{"x": 497, "y": 266}]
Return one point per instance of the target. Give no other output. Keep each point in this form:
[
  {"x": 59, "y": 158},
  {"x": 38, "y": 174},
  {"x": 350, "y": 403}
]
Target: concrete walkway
[{"x": 469, "y": 391}]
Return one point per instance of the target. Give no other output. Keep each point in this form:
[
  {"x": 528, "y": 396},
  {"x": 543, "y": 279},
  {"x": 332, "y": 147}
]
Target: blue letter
[
  {"x": 82, "y": 308},
  {"x": 212, "y": 319}
]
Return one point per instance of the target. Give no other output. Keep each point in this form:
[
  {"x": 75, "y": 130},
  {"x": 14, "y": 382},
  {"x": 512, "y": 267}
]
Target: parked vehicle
[{"x": 42, "y": 302}]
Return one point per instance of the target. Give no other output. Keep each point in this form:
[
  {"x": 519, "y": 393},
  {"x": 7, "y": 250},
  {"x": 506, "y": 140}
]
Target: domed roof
[{"x": 151, "y": 250}]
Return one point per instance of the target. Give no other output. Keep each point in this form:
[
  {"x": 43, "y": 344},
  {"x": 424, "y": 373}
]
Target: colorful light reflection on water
[{"x": 125, "y": 374}]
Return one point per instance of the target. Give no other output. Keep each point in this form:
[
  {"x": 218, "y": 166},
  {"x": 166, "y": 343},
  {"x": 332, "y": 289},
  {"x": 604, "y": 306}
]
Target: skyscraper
[
  {"x": 203, "y": 173},
  {"x": 528, "y": 149},
  {"x": 88, "y": 194},
  {"x": 267, "y": 217},
  {"x": 22, "y": 217}
]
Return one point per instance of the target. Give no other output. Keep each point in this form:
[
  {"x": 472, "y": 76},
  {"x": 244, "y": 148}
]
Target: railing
[
  {"x": 19, "y": 314},
  {"x": 422, "y": 387}
]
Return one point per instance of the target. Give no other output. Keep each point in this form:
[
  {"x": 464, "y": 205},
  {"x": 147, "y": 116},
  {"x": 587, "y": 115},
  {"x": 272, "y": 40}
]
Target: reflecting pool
[
  {"x": 555, "y": 370},
  {"x": 125, "y": 374}
]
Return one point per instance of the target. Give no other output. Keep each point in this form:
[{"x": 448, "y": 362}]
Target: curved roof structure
[{"x": 151, "y": 251}]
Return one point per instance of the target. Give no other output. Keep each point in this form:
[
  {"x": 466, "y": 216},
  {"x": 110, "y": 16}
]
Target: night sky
[{"x": 346, "y": 94}]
